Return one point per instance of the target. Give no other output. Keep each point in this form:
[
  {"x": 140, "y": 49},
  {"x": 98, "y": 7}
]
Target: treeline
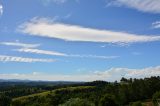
[
  {"x": 97, "y": 93},
  {"x": 18, "y": 89},
  {"x": 123, "y": 93}
]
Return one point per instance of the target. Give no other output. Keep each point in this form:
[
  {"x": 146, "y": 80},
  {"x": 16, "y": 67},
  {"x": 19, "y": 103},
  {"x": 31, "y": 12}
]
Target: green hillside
[
  {"x": 44, "y": 98},
  {"x": 52, "y": 92},
  {"x": 127, "y": 92}
]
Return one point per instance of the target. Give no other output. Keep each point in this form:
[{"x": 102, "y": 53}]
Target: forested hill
[{"x": 133, "y": 92}]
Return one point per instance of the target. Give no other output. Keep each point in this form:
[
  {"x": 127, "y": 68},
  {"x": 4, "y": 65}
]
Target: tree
[
  {"x": 77, "y": 102},
  {"x": 5, "y": 100},
  {"x": 123, "y": 79},
  {"x": 138, "y": 103},
  {"x": 107, "y": 100},
  {"x": 16, "y": 103},
  {"x": 156, "y": 99}
]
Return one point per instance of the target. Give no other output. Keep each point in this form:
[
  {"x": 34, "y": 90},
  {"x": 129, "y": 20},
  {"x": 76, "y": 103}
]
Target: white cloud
[
  {"x": 1, "y": 9},
  {"x": 136, "y": 53},
  {"x": 58, "y": 1},
  {"x": 55, "y": 1},
  {"x": 46, "y": 77},
  {"x": 151, "y": 6},
  {"x": 117, "y": 73},
  {"x": 108, "y": 75},
  {"x": 46, "y": 2},
  {"x": 116, "y": 45},
  {"x": 55, "y": 53},
  {"x": 37, "y": 51},
  {"x": 93, "y": 56},
  {"x": 5, "y": 58},
  {"x": 51, "y": 29},
  {"x": 24, "y": 45},
  {"x": 50, "y": 77},
  {"x": 103, "y": 46},
  {"x": 68, "y": 16},
  {"x": 156, "y": 24}
]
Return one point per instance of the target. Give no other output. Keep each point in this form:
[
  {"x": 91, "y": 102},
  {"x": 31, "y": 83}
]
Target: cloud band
[{"x": 47, "y": 28}]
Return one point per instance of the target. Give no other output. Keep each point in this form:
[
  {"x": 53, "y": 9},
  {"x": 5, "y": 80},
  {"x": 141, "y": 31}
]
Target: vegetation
[
  {"x": 77, "y": 102},
  {"x": 138, "y": 103},
  {"x": 4, "y": 100},
  {"x": 131, "y": 92},
  {"x": 156, "y": 99},
  {"x": 108, "y": 100}
]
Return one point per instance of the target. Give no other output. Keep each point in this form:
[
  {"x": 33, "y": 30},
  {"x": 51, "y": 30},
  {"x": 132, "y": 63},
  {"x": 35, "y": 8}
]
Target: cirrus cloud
[
  {"x": 55, "y": 53},
  {"x": 38, "y": 51},
  {"x": 151, "y": 6},
  {"x": 6, "y": 58},
  {"x": 24, "y": 45},
  {"x": 156, "y": 25},
  {"x": 46, "y": 2}
]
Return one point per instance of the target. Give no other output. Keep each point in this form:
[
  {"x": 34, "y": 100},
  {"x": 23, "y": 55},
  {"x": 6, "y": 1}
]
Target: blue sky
[{"x": 79, "y": 40}]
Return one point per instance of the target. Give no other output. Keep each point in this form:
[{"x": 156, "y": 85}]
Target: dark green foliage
[
  {"x": 156, "y": 99},
  {"x": 5, "y": 100},
  {"x": 124, "y": 79},
  {"x": 107, "y": 100},
  {"x": 20, "y": 88},
  {"x": 77, "y": 102},
  {"x": 138, "y": 103},
  {"x": 98, "y": 93}
]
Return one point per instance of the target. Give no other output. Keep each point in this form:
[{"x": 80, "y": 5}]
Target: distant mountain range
[
  {"x": 26, "y": 80},
  {"x": 14, "y": 80}
]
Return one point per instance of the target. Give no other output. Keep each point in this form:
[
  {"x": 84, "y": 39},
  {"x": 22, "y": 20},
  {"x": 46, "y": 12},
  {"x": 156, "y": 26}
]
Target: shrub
[
  {"x": 156, "y": 99},
  {"x": 107, "y": 100},
  {"x": 138, "y": 103},
  {"x": 77, "y": 102}
]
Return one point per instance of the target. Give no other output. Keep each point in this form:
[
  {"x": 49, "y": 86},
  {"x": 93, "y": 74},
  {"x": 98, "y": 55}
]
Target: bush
[
  {"x": 108, "y": 100},
  {"x": 77, "y": 102},
  {"x": 138, "y": 103},
  {"x": 5, "y": 100},
  {"x": 156, "y": 99}
]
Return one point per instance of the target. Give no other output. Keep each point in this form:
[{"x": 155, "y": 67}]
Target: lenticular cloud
[{"x": 48, "y": 28}]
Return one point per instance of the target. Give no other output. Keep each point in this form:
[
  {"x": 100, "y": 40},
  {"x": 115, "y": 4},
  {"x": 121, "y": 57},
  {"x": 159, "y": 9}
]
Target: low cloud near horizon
[{"x": 112, "y": 74}]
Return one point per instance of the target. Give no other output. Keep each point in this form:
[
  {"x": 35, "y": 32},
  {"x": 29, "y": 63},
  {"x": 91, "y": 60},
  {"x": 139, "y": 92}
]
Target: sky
[{"x": 79, "y": 40}]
